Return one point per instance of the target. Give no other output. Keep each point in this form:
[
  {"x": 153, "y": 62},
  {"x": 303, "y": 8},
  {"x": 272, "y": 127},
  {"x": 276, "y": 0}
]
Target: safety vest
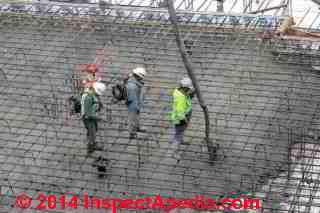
[{"x": 181, "y": 105}]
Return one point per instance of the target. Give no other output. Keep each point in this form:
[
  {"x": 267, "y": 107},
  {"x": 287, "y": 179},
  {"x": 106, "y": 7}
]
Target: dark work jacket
[{"x": 134, "y": 92}]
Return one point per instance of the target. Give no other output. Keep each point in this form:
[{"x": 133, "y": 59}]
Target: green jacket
[
  {"x": 181, "y": 106},
  {"x": 89, "y": 104}
]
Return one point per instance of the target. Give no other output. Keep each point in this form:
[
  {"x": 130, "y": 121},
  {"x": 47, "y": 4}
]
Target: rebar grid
[{"x": 262, "y": 95}]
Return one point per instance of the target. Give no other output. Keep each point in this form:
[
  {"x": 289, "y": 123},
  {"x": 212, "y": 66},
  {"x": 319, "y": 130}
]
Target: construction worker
[
  {"x": 134, "y": 99},
  {"x": 287, "y": 29},
  {"x": 90, "y": 105},
  {"x": 181, "y": 109},
  {"x": 287, "y": 26}
]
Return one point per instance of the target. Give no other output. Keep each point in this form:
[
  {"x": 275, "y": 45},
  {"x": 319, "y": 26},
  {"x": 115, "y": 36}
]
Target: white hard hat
[
  {"x": 140, "y": 71},
  {"x": 186, "y": 82},
  {"x": 99, "y": 87}
]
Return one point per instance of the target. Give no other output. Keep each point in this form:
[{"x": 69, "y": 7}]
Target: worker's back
[
  {"x": 286, "y": 25},
  {"x": 89, "y": 104},
  {"x": 181, "y": 106},
  {"x": 134, "y": 91}
]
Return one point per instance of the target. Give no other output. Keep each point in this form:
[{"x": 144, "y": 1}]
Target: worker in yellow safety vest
[{"x": 182, "y": 108}]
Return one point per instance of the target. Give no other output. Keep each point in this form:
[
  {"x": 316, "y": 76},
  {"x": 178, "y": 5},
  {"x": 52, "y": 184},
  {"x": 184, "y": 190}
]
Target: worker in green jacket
[
  {"x": 181, "y": 109},
  {"x": 90, "y": 105}
]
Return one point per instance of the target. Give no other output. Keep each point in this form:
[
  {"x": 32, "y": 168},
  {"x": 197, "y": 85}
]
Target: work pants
[
  {"x": 179, "y": 132},
  {"x": 133, "y": 122},
  {"x": 179, "y": 129},
  {"x": 91, "y": 124}
]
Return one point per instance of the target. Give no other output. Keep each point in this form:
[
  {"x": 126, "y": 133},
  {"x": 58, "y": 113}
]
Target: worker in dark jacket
[
  {"x": 90, "y": 105},
  {"x": 134, "y": 100}
]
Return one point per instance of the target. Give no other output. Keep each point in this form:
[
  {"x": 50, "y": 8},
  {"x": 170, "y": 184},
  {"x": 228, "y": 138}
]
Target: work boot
[
  {"x": 141, "y": 130},
  {"x": 184, "y": 143},
  {"x": 98, "y": 148},
  {"x": 90, "y": 149},
  {"x": 133, "y": 135}
]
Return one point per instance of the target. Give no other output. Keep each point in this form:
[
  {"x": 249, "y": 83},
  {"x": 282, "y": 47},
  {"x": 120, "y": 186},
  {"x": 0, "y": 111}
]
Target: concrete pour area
[{"x": 258, "y": 107}]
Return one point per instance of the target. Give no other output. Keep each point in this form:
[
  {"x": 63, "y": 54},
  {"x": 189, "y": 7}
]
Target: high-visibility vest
[{"x": 181, "y": 105}]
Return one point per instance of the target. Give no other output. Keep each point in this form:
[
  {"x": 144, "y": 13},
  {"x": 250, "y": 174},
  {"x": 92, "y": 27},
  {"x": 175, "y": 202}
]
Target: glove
[{"x": 192, "y": 93}]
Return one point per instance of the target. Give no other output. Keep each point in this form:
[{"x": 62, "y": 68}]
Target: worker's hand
[
  {"x": 191, "y": 93},
  {"x": 100, "y": 106},
  {"x": 185, "y": 121}
]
